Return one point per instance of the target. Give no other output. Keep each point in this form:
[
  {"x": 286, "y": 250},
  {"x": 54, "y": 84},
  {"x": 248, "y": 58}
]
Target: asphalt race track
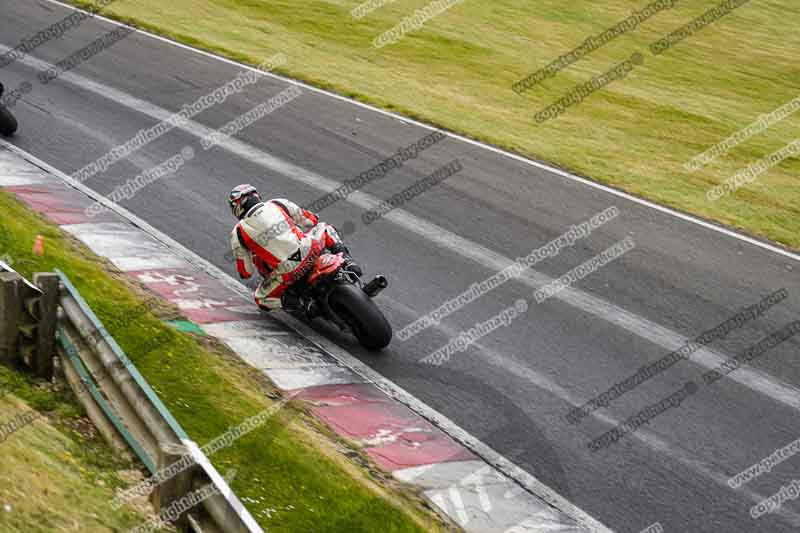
[{"x": 514, "y": 386}]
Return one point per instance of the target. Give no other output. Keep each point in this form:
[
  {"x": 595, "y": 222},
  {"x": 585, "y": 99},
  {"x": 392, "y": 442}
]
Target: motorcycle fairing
[{"x": 324, "y": 265}]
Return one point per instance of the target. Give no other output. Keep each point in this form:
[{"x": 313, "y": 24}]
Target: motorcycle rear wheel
[
  {"x": 8, "y": 124},
  {"x": 369, "y": 325}
]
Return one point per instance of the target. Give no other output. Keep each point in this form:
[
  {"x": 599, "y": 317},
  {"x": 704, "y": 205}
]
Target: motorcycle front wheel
[
  {"x": 369, "y": 325},
  {"x": 8, "y": 124}
]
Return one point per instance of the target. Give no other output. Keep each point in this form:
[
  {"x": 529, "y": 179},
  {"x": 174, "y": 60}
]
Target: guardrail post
[
  {"x": 176, "y": 487},
  {"x": 10, "y": 310},
  {"x": 42, "y": 364}
]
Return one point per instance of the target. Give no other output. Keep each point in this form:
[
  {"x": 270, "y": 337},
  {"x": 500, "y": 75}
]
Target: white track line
[
  {"x": 666, "y": 338},
  {"x": 516, "y": 157}
]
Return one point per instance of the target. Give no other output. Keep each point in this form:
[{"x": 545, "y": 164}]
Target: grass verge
[
  {"x": 291, "y": 473},
  {"x": 57, "y": 471},
  {"x": 458, "y": 70}
]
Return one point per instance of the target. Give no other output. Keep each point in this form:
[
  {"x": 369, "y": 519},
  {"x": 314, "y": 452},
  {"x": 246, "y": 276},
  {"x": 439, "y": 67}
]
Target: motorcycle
[
  {"x": 8, "y": 124},
  {"x": 342, "y": 298}
]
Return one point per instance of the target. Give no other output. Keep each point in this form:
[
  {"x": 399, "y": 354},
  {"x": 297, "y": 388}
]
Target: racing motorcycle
[
  {"x": 8, "y": 124},
  {"x": 339, "y": 296}
]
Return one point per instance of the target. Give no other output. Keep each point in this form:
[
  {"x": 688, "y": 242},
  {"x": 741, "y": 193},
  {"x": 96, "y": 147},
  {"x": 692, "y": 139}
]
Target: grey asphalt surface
[{"x": 512, "y": 388}]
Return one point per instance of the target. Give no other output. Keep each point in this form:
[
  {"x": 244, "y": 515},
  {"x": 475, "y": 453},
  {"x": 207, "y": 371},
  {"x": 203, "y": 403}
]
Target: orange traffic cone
[{"x": 38, "y": 246}]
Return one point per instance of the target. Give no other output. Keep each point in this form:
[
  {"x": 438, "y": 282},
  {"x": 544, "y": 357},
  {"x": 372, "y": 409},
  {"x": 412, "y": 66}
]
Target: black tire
[
  {"x": 8, "y": 124},
  {"x": 371, "y": 328}
]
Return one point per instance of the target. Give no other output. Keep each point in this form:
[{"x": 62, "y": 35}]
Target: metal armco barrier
[{"x": 117, "y": 398}]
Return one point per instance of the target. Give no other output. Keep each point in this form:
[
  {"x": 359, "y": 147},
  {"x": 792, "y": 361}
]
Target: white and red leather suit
[{"x": 281, "y": 241}]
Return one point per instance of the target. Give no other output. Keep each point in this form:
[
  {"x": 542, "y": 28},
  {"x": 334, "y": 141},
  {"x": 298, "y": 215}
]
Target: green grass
[
  {"x": 458, "y": 70},
  {"x": 56, "y": 472},
  {"x": 289, "y": 470}
]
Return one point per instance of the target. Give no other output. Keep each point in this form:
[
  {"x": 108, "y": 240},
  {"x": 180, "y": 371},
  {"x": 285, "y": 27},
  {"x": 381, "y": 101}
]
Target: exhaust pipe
[{"x": 374, "y": 287}]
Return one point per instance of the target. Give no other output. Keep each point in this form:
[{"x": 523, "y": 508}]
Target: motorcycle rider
[{"x": 281, "y": 241}]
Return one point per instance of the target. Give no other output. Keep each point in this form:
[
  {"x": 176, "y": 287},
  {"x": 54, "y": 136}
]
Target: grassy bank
[
  {"x": 57, "y": 471},
  {"x": 290, "y": 472},
  {"x": 457, "y": 72}
]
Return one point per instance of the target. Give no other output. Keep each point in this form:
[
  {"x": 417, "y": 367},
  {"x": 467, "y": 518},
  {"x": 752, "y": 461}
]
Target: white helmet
[{"x": 242, "y": 198}]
